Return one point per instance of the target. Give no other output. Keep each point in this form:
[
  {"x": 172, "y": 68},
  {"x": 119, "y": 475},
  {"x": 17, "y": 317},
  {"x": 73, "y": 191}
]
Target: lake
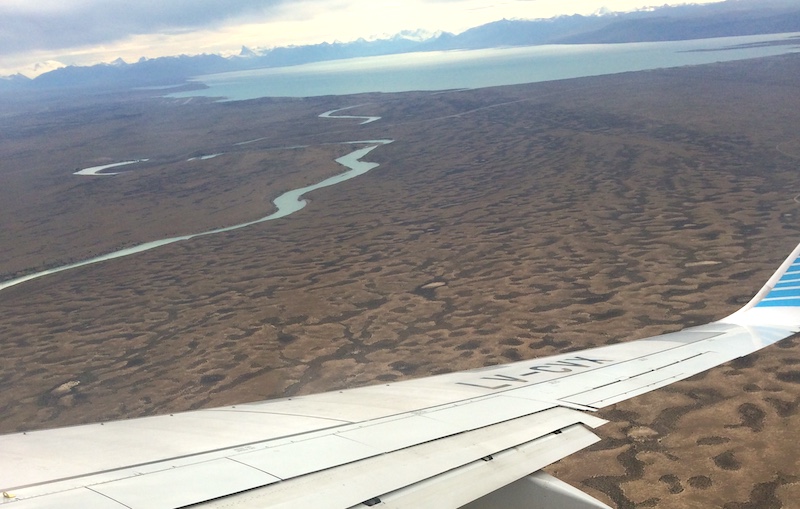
[{"x": 445, "y": 70}]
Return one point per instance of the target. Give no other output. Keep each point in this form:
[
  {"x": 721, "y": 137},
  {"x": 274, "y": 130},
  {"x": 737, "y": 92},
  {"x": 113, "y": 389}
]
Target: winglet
[{"x": 778, "y": 301}]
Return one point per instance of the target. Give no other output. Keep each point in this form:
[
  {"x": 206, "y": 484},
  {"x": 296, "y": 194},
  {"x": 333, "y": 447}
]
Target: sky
[{"x": 37, "y": 36}]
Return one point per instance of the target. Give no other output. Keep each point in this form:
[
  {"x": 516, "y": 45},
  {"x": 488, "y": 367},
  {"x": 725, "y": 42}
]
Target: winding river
[
  {"x": 285, "y": 204},
  {"x": 95, "y": 170},
  {"x": 366, "y": 119}
]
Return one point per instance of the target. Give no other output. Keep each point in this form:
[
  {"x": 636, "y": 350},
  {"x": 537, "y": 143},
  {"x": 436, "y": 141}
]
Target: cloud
[{"x": 51, "y": 25}]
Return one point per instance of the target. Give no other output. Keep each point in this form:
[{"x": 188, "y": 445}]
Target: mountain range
[{"x": 728, "y": 18}]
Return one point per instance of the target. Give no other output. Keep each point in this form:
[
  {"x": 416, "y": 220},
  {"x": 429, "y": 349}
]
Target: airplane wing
[{"x": 476, "y": 438}]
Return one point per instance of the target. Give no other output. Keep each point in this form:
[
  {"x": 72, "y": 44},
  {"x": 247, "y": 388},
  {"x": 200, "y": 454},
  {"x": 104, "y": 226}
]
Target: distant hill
[
  {"x": 729, "y": 18},
  {"x": 14, "y": 81},
  {"x": 724, "y": 19},
  {"x": 522, "y": 32},
  {"x": 675, "y": 28}
]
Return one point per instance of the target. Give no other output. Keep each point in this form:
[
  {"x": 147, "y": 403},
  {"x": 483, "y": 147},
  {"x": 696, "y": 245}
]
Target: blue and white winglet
[
  {"x": 778, "y": 301},
  {"x": 474, "y": 439}
]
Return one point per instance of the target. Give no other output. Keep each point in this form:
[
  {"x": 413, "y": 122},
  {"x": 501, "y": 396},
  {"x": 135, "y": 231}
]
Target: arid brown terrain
[{"x": 551, "y": 217}]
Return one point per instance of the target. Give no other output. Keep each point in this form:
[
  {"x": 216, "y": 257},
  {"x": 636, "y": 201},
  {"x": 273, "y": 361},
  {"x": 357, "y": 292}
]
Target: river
[{"x": 285, "y": 204}]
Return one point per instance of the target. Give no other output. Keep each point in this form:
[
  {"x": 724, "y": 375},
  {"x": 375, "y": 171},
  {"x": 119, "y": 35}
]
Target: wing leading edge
[{"x": 471, "y": 437}]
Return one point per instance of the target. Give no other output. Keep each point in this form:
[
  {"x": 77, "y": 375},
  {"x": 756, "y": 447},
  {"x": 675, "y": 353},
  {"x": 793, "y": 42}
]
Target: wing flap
[
  {"x": 80, "y": 498},
  {"x": 306, "y": 456},
  {"x": 457, "y": 487},
  {"x": 179, "y": 487}
]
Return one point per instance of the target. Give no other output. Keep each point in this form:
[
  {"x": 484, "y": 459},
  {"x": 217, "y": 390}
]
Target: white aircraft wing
[{"x": 477, "y": 438}]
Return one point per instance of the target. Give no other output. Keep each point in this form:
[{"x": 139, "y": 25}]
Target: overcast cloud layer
[
  {"x": 89, "y": 31},
  {"x": 54, "y": 25}
]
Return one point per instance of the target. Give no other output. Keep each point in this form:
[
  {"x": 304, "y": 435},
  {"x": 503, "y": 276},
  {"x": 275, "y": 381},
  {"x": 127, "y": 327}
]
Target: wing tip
[{"x": 777, "y": 303}]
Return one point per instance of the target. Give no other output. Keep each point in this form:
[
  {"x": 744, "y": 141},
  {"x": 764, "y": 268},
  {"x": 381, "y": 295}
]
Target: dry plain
[{"x": 553, "y": 217}]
